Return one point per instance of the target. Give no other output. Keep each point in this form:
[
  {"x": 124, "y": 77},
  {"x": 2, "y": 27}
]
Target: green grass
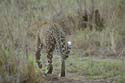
[
  {"x": 96, "y": 69},
  {"x": 93, "y": 67}
]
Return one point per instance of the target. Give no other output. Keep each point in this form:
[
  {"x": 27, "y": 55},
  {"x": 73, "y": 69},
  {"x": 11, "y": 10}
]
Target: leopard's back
[{"x": 53, "y": 36}]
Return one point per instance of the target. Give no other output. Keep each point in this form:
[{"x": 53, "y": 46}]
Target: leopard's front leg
[
  {"x": 62, "y": 67},
  {"x": 49, "y": 65}
]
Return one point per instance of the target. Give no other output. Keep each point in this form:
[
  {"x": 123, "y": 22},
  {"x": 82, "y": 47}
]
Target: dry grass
[
  {"x": 18, "y": 68},
  {"x": 17, "y": 39}
]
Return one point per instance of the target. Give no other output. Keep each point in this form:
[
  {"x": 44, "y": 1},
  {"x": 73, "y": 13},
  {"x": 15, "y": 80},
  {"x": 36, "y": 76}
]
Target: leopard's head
[{"x": 69, "y": 46}]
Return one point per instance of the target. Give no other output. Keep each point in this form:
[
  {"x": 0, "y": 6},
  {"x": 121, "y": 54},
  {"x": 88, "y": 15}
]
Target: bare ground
[{"x": 74, "y": 78}]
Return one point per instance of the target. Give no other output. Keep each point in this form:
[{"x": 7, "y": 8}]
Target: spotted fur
[{"x": 51, "y": 37}]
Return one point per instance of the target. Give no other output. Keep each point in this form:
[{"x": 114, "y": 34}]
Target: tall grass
[
  {"x": 18, "y": 39},
  {"x": 18, "y": 69}
]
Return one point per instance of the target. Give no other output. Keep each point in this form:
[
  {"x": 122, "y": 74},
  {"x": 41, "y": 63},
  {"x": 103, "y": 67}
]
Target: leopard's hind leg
[
  {"x": 49, "y": 49},
  {"x": 38, "y": 54}
]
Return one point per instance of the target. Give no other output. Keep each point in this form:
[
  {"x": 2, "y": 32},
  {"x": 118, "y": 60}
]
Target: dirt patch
[
  {"x": 73, "y": 79},
  {"x": 57, "y": 79}
]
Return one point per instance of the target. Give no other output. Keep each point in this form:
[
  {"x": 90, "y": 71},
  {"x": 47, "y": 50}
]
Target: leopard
[{"x": 52, "y": 37}]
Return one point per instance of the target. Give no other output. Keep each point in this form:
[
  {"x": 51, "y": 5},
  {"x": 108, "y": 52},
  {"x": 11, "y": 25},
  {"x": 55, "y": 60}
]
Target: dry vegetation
[{"x": 20, "y": 20}]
